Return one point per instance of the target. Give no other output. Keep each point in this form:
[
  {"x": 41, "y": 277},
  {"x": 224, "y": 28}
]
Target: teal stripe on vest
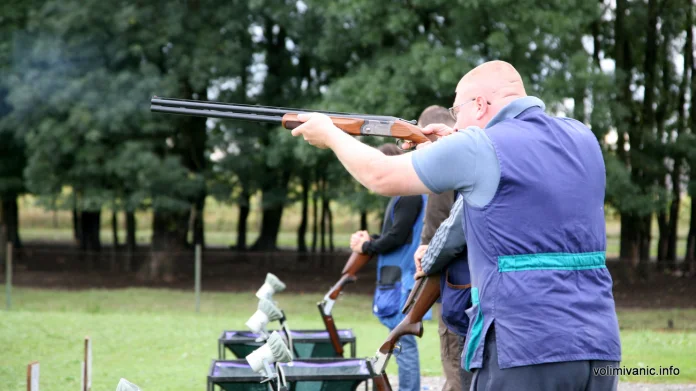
[
  {"x": 552, "y": 261},
  {"x": 474, "y": 336}
]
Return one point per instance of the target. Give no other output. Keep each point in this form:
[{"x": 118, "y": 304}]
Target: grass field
[{"x": 156, "y": 340}]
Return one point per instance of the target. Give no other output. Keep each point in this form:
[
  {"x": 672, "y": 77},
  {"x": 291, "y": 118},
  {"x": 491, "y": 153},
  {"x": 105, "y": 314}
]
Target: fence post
[
  {"x": 33, "y": 376},
  {"x": 8, "y": 276},
  {"x": 87, "y": 366},
  {"x": 198, "y": 277}
]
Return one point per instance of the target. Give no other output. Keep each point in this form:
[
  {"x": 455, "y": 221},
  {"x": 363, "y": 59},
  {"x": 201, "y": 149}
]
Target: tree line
[{"x": 76, "y": 77}]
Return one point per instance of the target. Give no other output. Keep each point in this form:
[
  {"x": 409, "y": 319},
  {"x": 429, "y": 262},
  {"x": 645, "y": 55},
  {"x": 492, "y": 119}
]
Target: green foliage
[{"x": 75, "y": 77}]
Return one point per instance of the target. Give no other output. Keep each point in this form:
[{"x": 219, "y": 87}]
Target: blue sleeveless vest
[
  {"x": 395, "y": 272},
  {"x": 537, "y": 250}
]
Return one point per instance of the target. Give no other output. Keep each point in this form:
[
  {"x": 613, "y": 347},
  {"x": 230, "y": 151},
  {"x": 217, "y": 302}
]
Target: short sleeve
[{"x": 450, "y": 163}]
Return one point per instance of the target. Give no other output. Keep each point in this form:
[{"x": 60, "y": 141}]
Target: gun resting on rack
[
  {"x": 348, "y": 275},
  {"x": 354, "y": 124},
  {"x": 424, "y": 294}
]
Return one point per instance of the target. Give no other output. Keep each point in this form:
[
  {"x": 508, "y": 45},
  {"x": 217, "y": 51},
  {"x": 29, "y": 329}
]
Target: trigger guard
[{"x": 399, "y": 143}]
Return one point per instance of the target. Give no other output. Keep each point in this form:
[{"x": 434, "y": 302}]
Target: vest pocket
[
  {"x": 387, "y": 301},
  {"x": 456, "y": 299}
]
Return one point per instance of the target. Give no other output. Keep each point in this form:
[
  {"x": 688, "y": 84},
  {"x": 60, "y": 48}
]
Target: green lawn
[{"x": 155, "y": 339}]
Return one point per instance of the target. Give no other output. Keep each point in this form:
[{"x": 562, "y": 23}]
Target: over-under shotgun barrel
[
  {"x": 247, "y": 112},
  {"x": 355, "y": 124}
]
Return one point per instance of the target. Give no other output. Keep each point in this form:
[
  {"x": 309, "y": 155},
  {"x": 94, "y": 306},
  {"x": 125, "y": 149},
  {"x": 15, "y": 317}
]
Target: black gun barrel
[
  {"x": 216, "y": 114},
  {"x": 244, "y": 112}
]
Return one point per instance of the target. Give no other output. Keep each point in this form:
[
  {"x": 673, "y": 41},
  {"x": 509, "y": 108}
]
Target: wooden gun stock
[
  {"x": 424, "y": 294},
  {"x": 338, "y": 286},
  {"x": 358, "y": 126},
  {"x": 352, "y": 267}
]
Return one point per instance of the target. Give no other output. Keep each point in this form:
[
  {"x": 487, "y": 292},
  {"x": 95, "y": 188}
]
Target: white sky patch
[
  {"x": 217, "y": 155},
  {"x": 301, "y": 7},
  {"x": 256, "y": 33},
  {"x": 258, "y": 70},
  {"x": 611, "y": 137},
  {"x": 607, "y": 65}
]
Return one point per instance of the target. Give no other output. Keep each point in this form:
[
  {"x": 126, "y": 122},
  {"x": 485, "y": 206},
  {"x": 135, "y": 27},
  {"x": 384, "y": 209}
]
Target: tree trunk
[
  {"x": 628, "y": 253},
  {"x": 625, "y": 121},
  {"x": 270, "y": 227},
  {"x": 130, "y": 240},
  {"x": 3, "y": 244},
  {"x": 90, "y": 241},
  {"x": 77, "y": 225},
  {"x": 302, "y": 230},
  {"x": 169, "y": 231},
  {"x": 691, "y": 239},
  {"x": 595, "y": 38},
  {"x": 323, "y": 215},
  {"x": 687, "y": 79},
  {"x": 645, "y": 237},
  {"x": 315, "y": 218},
  {"x": 10, "y": 218},
  {"x": 114, "y": 241},
  {"x": 114, "y": 229},
  {"x": 363, "y": 221},
  {"x": 671, "y": 257},
  {"x": 244, "y": 208},
  {"x": 329, "y": 221},
  {"x": 690, "y": 256},
  {"x": 90, "y": 230},
  {"x": 662, "y": 242},
  {"x": 273, "y": 201},
  {"x": 198, "y": 223}
]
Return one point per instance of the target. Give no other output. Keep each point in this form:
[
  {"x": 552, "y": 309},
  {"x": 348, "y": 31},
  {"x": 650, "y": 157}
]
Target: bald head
[
  {"x": 484, "y": 91},
  {"x": 494, "y": 80}
]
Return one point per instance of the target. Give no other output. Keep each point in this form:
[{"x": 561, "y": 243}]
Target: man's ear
[{"x": 481, "y": 108}]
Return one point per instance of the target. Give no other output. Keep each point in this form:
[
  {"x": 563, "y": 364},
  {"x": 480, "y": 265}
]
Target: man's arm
[
  {"x": 406, "y": 212},
  {"x": 427, "y": 170},
  {"x": 448, "y": 242},
  {"x": 436, "y": 211}
]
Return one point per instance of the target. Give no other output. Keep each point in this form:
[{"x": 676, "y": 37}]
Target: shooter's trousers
[{"x": 560, "y": 376}]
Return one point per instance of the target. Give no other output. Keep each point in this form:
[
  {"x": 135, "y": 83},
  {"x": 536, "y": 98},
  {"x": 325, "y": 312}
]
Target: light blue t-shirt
[{"x": 466, "y": 160}]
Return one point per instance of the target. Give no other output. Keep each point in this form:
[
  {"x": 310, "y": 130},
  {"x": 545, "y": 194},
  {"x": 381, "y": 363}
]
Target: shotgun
[
  {"x": 423, "y": 295},
  {"x": 354, "y": 124},
  {"x": 348, "y": 275}
]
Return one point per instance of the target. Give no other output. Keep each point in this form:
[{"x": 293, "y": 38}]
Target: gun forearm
[{"x": 355, "y": 263}]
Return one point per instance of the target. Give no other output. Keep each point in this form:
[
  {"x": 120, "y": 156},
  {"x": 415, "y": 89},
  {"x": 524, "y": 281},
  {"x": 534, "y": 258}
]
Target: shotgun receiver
[
  {"x": 354, "y": 124},
  {"x": 423, "y": 295},
  {"x": 348, "y": 275}
]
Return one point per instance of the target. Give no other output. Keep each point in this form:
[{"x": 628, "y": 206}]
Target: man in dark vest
[{"x": 543, "y": 314}]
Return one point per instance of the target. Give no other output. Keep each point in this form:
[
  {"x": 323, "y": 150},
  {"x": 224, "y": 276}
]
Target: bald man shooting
[{"x": 543, "y": 312}]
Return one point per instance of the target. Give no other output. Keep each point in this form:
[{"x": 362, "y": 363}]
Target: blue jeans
[{"x": 409, "y": 364}]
